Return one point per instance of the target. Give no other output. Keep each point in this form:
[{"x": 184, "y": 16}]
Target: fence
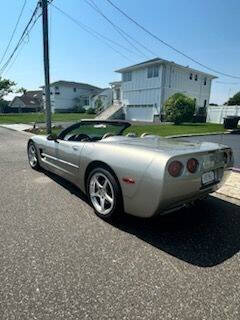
[{"x": 218, "y": 113}]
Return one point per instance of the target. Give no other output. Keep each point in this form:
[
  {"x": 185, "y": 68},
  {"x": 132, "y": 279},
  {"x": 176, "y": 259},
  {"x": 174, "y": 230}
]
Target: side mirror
[{"x": 52, "y": 137}]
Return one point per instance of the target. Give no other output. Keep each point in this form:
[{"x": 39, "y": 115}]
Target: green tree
[
  {"x": 3, "y": 105},
  {"x": 21, "y": 90},
  {"x": 179, "y": 108},
  {"x": 235, "y": 100},
  {"x": 91, "y": 111},
  {"x": 6, "y": 87}
]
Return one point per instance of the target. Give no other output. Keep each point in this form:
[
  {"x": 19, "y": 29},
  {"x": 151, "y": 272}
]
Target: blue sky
[{"x": 207, "y": 30}]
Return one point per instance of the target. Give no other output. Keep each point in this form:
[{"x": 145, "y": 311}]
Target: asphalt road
[
  {"x": 231, "y": 140},
  {"x": 59, "y": 261}
]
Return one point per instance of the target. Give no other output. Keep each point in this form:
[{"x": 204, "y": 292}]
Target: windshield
[{"x": 94, "y": 130}]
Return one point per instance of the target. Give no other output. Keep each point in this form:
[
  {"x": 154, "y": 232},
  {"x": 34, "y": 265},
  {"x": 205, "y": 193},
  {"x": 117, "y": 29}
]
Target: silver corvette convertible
[{"x": 142, "y": 176}]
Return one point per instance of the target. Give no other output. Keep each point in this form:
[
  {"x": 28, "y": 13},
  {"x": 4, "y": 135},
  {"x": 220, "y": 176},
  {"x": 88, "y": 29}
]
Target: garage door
[{"x": 140, "y": 112}]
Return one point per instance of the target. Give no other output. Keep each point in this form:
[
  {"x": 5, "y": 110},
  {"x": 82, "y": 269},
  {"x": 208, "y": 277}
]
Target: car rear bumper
[
  {"x": 191, "y": 192},
  {"x": 169, "y": 196}
]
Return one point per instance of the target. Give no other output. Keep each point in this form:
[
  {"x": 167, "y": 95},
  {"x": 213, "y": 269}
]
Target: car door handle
[{"x": 75, "y": 148}]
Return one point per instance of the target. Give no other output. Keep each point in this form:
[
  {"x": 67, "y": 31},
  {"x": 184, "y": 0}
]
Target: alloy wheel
[
  {"x": 32, "y": 155},
  {"x": 101, "y": 193}
]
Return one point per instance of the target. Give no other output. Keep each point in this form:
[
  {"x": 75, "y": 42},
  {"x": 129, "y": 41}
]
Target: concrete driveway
[{"x": 59, "y": 261}]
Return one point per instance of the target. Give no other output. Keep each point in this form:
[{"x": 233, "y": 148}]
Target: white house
[
  {"x": 103, "y": 95},
  {"x": 66, "y": 94},
  {"x": 147, "y": 85}
]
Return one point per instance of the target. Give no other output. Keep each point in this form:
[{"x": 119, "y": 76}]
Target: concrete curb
[
  {"x": 20, "y": 131},
  {"x": 231, "y": 187},
  {"x": 227, "y": 196}
]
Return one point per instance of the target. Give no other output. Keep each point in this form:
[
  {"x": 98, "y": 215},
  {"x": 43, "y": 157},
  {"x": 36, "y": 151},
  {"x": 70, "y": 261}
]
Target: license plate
[{"x": 208, "y": 177}]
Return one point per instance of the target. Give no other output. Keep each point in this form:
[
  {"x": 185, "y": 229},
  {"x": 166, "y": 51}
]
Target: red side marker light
[{"x": 128, "y": 180}]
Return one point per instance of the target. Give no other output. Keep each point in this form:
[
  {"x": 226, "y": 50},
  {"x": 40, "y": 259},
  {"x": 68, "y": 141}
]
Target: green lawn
[
  {"x": 39, "y": 117},
  {"x": 169, "y": 129}
]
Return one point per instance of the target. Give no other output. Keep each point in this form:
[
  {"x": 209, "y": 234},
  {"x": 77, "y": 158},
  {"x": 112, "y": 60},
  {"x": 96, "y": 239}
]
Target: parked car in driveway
[{"x": 143, "y": 176}]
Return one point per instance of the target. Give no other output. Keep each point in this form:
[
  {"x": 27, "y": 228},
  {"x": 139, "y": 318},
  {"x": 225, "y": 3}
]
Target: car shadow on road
[
  {"x": 66, "y": 185},
  {"x": 204, "y": 235}
]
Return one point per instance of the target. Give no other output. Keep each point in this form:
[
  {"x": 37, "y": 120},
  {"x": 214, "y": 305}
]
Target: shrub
[
  {"x": 200, "y": 116},
  {"x": 91, "y": 111},
  {"x": 235, "y": 100},
  {"x": 63, "y": 110},
  {"x": 79, "y": 109},
  {"x": 179, "y": 108},
  {"x": 98, "y": 103}
]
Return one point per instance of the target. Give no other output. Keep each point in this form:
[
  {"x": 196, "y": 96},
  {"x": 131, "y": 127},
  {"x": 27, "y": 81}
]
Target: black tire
[
  {"x": 117, "y": 206},
  {"x": 33, "y": 164}
]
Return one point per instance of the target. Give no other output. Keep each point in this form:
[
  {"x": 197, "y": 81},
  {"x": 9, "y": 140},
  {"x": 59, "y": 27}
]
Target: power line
[
  {"x": 14, "y": 31},
  {"x": 168, "y": 45},
  {"x": 127, "y": 34},
  {"x": 92, "y": 4},
  {"x": 20, "y": 48},
  {"x": 95, "y": 34},
  {"x": 15, "y": 58},
  {"x": 89, "y": 29},
  {"x": 24, "y": 34}
]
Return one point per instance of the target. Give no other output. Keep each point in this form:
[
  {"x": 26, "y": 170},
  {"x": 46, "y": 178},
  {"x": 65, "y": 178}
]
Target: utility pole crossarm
[{"x": 44, "y": 5}]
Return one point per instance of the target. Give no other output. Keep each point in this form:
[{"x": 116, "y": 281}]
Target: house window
[
  {"x": 74, "y": 89},
  {"x": 205, "y": 81},
  {"x": 153, "y": 72},
  {"x": 190, "y": 76},
  {"x": 127, "y": 76},
  {"x": 196, "y": 77},
  {"x": 205, "y": 103}
]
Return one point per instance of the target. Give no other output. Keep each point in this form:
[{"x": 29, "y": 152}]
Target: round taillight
[
  {"x": 175, "y": 168},
  {"x": 192, "y": 165},
  {"x": 225, "y": 156}
]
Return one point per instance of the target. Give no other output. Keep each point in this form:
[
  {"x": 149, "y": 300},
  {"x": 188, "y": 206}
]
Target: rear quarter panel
[{"x": 126, "y": 161}]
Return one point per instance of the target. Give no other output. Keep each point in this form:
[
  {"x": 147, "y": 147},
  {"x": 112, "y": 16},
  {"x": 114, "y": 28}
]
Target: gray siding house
[{"x": 30, "y": 101}]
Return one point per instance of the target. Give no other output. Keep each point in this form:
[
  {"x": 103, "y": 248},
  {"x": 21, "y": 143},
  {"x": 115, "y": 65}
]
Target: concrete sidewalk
[
  {"x": 231, "y": 188},
  {"x": 17, "y": 127}
]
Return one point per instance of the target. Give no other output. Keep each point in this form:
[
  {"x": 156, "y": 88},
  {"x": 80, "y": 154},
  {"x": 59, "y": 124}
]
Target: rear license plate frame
[{"x": 208, "y": 178}]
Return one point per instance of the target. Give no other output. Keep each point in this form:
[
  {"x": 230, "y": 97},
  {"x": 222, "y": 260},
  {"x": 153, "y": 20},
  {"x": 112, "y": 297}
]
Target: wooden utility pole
[{"x": 44, "y": 4}]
